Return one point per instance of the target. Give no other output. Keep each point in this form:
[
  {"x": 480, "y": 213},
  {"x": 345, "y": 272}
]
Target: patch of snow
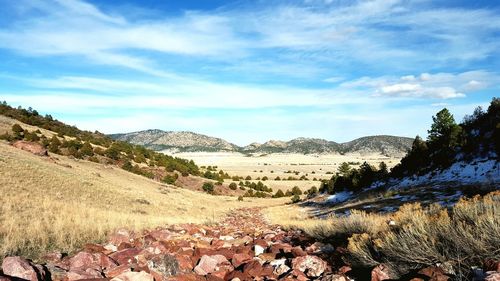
[
  {"x": 339, "y": 197},
  {"x": 480, "y": 171}
]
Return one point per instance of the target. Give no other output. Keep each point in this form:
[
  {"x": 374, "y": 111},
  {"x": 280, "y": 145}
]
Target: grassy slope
[{"x": 61, "y": 203}]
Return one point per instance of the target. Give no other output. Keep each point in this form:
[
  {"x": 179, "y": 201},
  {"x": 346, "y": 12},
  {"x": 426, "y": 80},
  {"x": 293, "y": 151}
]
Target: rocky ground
[{"x": 242, "y": 247}]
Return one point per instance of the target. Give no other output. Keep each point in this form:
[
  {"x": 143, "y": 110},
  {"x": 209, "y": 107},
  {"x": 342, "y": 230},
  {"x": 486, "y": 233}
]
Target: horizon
[{"x": 239, "y": 70}]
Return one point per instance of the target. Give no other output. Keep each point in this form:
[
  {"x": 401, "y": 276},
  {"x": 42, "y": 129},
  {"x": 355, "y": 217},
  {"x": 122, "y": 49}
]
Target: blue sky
[{"x": 251, "y": 70}]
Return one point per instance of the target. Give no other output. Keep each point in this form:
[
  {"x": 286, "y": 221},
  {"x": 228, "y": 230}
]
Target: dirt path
[{"x": 244, "y": 246}]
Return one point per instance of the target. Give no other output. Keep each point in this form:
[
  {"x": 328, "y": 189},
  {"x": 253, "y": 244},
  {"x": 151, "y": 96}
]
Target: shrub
[
  {"x": 208, "y": 187},
  {"x": 296, "y": 190},
  {"x": 170, "y": 179},
  {"x": 248, "y": 178},
  {"x": 233, "y": 186},
  {"x": 279, "y": 194},
  {"x": 295, "y": 199},
  {"x": 240, "y": 198}
]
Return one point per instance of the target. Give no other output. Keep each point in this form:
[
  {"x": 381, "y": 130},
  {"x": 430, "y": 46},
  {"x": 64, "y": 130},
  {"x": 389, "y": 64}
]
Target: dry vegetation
[
  {"x": 456, "y": 239},
  {"x": 63, "y": 203}
]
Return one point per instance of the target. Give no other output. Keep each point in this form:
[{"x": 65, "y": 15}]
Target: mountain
[
  {"x": 176, "y": 141},
  {"x": 192, "y": 142}
]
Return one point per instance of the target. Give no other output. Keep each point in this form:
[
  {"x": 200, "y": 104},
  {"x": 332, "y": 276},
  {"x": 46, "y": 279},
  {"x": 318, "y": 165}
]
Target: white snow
[
  {"x": 479, "y": 171},
  {"x": 339, "y": 197}
]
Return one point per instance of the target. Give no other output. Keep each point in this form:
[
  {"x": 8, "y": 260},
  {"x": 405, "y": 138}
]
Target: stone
[
  {"x": 80, "y": 274},
  {"x": 119, "y": 236},
  {"x": 20, "y": 268},
  {"x": 133, "y": 276},
  {"x": 32, "y": 147},
  {"x": 82, "y": 260},
  {"x": 281, "y": 269},
  {"x": 206, "y": 265},
  {"x": 126, "y": 256},
  {"x": 312, "y": 266},
  {"x": 492, "y": 265},
  {"x": 185, "y": 262},
  {"x": 434, "y": 273},
  {"x": 113, "y": 272},
  {"x": 52, "y": 257},
  {"x": 380, "y": 272},
  {"x": 298, "y": 252},
  {"x": 239, "y": 259},
  {"x": 492, "y": 276},
  {"x": 258, "y": 250},
  {"x": 56, "y": 273},
  {"x": 253, "y": 268},
  {"x": 166, "y": 265}
]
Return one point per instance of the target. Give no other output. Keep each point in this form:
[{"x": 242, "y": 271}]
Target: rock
[
  {"x": 166, "y": 265},
  {"x": 258, "y": 250},
  {"x": 20, "y": 268},
  {"x": 82, "y": 260},
  {"x": 253, "y": 268},
  {"x": 492, "y": 276},
  {"x": 434, "y": 274},
  {"x": 281, "y": 269},
  {"x": 56, "y": 273},
  {"x": 239, "y": 259},
  {"x": 53, "y": 257},
  {"x": 206, "y": 265},
  {"x": 80, "y": 274},
  {"x": 126, "y": 256},
  {"x": 185, "y": 262},
  {"x": 312, "y": 266},
  {"x": 119, "y": 236},
  {"x": 32, "y": 147},
  {"x": 134, "y": 276},
  {"x": 5, "y": 278},
  {"x": 492, "y": 265},
  {"x": 380, "y": 272},
  {"x": 113, "y": 272},
  {"x": 298, "y": 252},
  {"x": 344, "y": 269}
]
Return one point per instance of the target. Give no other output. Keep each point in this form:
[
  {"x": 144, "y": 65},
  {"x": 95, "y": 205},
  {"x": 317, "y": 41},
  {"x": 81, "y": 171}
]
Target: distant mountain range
[{"x": 192, "y": 142}]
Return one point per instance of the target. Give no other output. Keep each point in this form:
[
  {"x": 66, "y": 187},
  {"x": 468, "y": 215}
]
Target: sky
[{"x": 251, "y": 71}]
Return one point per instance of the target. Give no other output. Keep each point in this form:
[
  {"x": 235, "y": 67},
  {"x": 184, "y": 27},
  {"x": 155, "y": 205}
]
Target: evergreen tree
[
  {"x": 344, "y": 169},
  {"x": 442, "y": 125}
]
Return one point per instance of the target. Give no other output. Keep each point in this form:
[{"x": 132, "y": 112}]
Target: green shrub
[
  {"x": 233, "y": 186},
  {"x": 295, "y": 199},
  {"x": 208, "y": 187}
]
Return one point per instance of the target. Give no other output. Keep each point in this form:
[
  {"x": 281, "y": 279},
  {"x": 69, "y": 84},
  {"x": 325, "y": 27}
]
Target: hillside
[
  {"x": 191, "y": 142},
  {"x": 178, "y": 141}
]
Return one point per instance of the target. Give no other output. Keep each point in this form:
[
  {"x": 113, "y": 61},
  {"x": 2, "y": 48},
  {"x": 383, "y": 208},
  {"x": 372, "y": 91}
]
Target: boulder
[
  {"x": 492, "y": 276},
  {"x": 32, "y": 147},
  {"x": 119, "y": 236},
  {"x": 312, "y": 266},
  {"x": 206, "y": 265},
  {"x": 380, "y": 272},
  {"x": 126, "y": 256},
  {"x": 81, "y": 274},
  {"x": 134, "y": 276},
  {"x": 239, "y": 259},
  {"x": 20, "y": 268},
  {"x": 166, "y": 265},
  {"x": 258, "y": 250}
]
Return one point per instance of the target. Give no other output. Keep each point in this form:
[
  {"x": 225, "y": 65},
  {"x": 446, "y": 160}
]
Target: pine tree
[{"x": 442, "y": 125}]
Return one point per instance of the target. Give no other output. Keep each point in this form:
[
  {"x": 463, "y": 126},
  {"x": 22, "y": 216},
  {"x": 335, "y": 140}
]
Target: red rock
[
  {"x": 313, "y": 266},
  {"x": 126, "y": 256},
  {"x": 380, "y": 272},
  {"x": 298, "y": 252},
  {"x": 32, "y": 147},
  {"x": 52, "y": 257},
  {"x": 492, "y": 276},
  {"x": 434, "y": 274},
  {"x": 166, "y": 265},
  {"x": 20, "y": 268},
  {"x": 185, "y": 262},
  {"x": 133, "y": 276},
  {"x": 161, "y": 234},
  {"x": 88, "y": 273},
  {"x": 239, "y": 259},
  {"x": 124, "y": 245},
  {"x": 238, "y": 275},
  {"x": 56, "y": 273},
  {"x": 120, "y": 236},
  {"x": 115, "y": 271},
  {"x": 82, "y": 260},
  {"x": 188, "y": 277},
  {"x": 253, "y": 268},
  {"x": 344, "y": 269},
  {"x": 492, "y": 265},
  {"x": 5, "y": 278},
  {"x": 280, "y": 248},
  {"x": 94, "y": 248},
  {"x": 206, "y": 265}
]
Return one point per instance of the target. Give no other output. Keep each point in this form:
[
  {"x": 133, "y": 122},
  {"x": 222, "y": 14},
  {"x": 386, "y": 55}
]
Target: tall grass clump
[{"x": 455, "y": 239}]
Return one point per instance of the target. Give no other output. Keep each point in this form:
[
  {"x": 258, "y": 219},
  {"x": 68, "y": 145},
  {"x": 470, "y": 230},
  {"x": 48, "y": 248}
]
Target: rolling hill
[{"x": 193, "y": 142}]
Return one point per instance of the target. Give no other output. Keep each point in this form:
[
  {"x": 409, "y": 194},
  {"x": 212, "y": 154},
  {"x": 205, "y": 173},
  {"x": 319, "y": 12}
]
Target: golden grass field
[
  {"x": 319, "y": 166},
  {"x": 63, "y": 203}
]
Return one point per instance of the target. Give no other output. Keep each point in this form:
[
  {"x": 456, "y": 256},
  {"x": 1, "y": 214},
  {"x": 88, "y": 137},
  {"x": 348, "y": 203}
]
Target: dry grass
[
  {"x": 62, "y": 204},
  {"x": 455, "y": 239}
]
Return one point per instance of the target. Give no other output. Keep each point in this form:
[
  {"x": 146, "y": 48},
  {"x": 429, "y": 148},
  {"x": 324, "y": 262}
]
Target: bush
[
  {"x": 296, "y": 190},
  {"x": 279, "y": 194},
  {"x": 170, "y": 179},
  {"x": 208, "y": 187},
  {"x": 240, "y": 198},
  {"x": 248, "y": 178},
  {"x": 295, "y": 199},
  {"x": 233, "y": 186}
]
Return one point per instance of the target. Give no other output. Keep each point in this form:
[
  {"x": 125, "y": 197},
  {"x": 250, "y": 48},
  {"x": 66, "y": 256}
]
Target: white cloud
[{"x": 425, "y": 85}]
